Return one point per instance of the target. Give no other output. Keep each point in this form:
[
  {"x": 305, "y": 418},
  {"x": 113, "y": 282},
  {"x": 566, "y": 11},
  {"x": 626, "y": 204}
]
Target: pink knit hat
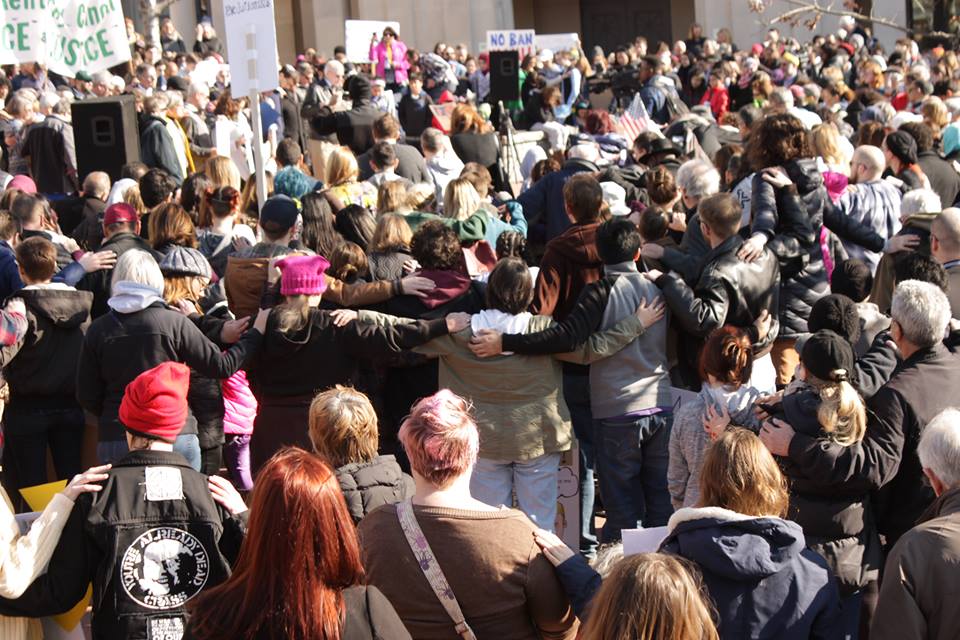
[
  {"x": 302, "y": 275},
  {"x": 24, "y": 183}
]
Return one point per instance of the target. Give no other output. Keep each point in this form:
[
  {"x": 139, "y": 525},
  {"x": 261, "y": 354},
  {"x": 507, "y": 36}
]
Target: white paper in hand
[{"x": 642, "y": 540}]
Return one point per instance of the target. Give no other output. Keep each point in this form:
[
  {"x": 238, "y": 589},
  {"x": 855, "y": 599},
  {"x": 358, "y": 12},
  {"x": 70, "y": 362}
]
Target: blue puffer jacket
[
  {"x": 542, "y": 203},
  {"x": 763, "y": 582}
]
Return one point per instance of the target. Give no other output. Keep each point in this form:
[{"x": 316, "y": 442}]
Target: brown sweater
[{"x": 505, "y": 586}]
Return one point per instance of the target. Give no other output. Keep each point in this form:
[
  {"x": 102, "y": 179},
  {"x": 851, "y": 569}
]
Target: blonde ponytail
[{"x": 841, "y": 414}]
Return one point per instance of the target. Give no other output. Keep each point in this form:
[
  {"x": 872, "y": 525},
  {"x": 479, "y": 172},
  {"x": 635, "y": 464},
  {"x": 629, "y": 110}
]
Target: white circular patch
[{"x": 164, "y": 568}]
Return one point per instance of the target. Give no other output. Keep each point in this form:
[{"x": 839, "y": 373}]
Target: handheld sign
[
  {"x": 67, "y": 37},
  {"x": 239, "y": 17},
  {"x": 521, "y": 40}
]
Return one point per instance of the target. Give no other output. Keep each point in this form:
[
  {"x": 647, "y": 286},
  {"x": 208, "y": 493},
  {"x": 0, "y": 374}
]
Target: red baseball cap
[{"x": 119, "y": 212}]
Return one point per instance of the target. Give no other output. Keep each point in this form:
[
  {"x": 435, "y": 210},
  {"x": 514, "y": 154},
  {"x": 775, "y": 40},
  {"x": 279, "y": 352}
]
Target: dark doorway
[{"x": 609, "y": 23}]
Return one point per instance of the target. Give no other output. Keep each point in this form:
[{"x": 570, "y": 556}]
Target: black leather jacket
[
  {"x": 151, "y": 540},
  {"x": 729, "y": 291}
]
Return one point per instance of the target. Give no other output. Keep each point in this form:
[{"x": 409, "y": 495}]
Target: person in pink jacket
[
  {"x": 239, "y": 412},
  {"x": 389, "y": 56}
]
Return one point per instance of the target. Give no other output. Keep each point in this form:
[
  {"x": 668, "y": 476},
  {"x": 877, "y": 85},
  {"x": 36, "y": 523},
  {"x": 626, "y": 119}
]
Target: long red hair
[{"x": 301, "y": 551}]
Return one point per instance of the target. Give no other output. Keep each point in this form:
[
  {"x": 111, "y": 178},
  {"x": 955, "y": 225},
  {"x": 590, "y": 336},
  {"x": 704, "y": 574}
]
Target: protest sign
[
  {"x": 557, "y": 41},
  {"x": 252, "y": 68},
  {"x": 511, "y": 40},
  {"x": 358, "y": 34},
  {"x": 65, "y": 35}
]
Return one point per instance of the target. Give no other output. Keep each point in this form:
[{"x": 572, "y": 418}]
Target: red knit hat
[
  {"x": 302, "y": 275},
  {"x": 155, "y": 403}
]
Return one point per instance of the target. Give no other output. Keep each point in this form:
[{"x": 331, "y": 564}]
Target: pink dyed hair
[{"x": 440, "y": 437}]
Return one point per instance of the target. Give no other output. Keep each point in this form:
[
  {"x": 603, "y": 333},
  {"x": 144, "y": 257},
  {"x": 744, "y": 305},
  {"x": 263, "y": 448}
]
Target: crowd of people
[{"x": 727, "y": 280}]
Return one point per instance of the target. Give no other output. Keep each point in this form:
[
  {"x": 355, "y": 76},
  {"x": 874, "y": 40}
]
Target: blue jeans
[
  {"x": 576, "y": 393},
  {"x": 850, "y": 615},
  {"x": 534, "y": 481},
  {"x": 29, "y": 432},
  {"x": 632, "y": 456},
  {"x": 186, "y": 445}
]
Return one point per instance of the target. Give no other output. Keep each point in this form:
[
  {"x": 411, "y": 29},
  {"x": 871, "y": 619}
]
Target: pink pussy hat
[{"x": 302, "y": 275}]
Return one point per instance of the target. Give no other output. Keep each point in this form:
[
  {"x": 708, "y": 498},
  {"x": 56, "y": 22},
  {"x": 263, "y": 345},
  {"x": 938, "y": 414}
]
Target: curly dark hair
[
  {"x": 776, "y": 140},
  {"x": 436, "y": 246}
]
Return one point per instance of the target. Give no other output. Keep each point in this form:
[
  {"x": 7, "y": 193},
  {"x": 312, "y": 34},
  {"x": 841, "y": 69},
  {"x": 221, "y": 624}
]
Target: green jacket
[{"x": 517, "y": 399}]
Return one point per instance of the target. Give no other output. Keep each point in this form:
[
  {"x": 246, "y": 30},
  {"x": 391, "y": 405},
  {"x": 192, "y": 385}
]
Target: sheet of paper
[
  {"x": 70, "y": 620},
  {"x": 39, "y": 496},
  {"x": 642, "y": 540}
]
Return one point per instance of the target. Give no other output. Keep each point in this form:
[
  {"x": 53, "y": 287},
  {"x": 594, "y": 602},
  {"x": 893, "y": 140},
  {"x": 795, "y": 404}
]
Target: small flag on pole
[{"x": 635, "y": 120}]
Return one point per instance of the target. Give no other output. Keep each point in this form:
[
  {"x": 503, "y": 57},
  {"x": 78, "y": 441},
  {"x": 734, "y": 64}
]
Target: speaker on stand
[{"x": 105, "y": 134}]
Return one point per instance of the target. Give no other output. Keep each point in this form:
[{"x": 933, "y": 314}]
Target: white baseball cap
[{"x": 616, "y": 198}]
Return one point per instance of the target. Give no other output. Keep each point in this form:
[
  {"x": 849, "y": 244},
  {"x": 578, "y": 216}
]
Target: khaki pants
[{"x": 785, "y": 359}]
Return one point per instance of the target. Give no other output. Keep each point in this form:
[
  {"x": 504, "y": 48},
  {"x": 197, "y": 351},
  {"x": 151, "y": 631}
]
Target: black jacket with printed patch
[{"x": 149, "y": 543}]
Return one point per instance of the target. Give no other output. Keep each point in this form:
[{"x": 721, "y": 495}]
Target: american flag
[{"x": 635, "y": 120}]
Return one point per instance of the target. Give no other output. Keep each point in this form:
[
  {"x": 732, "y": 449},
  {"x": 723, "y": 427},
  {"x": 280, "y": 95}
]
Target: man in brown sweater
[{"x": 570, "y": 263}]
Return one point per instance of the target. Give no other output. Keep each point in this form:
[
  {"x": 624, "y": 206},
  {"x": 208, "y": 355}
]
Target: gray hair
[
  {"x": 198, "y": 88},
  {"x": 155, "y": 104},
  {"x": 920, "y": 201},
  {"x": 872, "y": 158},
  {"x": 49, "y": 99},
  {"x": 782, "y": 97},
  {"x": 97, "y": 185},
  {"x": 139, "y": 267},
  {"x": 939, "y": 448},
  {"x": 19, "y": 104},
  {"x": 698, "y": 179},
  {"x": 946, "y": 227},
  {"x": 432, "y": 139},
  {"x": 102, "y": 77},
  {"x": 922, "y": 310}
]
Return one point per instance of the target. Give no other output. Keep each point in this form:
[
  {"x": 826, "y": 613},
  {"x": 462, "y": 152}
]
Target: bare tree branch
[{"x": 813, "y": 11}]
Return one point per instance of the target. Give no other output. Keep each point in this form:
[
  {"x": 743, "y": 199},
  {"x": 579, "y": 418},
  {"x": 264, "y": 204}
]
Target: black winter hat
[
  {"x": 838, "y": 313},
  {"x": 279, "y": 213},
  {"x": 853, "y": 279},
  {"x": 903, "y": 147},
  {"x": 829, "y": 357}
]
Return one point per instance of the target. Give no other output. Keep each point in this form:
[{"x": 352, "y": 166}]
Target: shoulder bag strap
[{"x": 431, "y": 569}]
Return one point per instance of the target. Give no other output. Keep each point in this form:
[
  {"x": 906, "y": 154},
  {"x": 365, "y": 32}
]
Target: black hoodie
[
  {"x": 354, "y": 128},
  {"x": 41, "y": 368}
]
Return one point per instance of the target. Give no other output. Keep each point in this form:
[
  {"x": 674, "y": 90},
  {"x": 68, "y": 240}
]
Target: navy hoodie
[{"x": 763, "y": 582}]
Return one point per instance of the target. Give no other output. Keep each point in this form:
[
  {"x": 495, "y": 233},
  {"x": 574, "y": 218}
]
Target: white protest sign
[
  {"x": 65, "y": 35},
  {"x": 642, "y": 540},
  {"x": 557, "y": 41},
  {"x": 511, "y": 40},
  {"x": 358, "y": 34},
  {"x": 251, "y": 68}
]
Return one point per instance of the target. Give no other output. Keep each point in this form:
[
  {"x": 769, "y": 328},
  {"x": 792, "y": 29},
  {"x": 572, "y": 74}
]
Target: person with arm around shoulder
[
  {"x": 502, "y": 584},
  {"x": 923, "y": 564}
]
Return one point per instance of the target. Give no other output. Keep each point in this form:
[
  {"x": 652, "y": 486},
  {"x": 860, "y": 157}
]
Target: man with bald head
[
  {"x": 82, "y": 220},
  {"x": 873, "y": 202},
  {"x": 945, "y": 248}
]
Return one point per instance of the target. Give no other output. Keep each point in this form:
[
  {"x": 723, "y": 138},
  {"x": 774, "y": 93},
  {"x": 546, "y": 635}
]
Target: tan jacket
[
  {"x": 920, "y": 585},
  {"x": 244, "y": 278},
  {"x": 517, "y": 399},
  {"x": 953, "y": 292}
]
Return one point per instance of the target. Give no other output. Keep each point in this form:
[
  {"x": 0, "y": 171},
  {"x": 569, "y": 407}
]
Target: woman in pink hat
[{"x": 304, "y": 351}]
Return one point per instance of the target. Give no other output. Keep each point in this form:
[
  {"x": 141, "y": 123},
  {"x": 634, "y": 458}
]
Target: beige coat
[
  {"x": 23, "y": 558},
  {"x": 517, "y": 399},
  {"x": 922, "y": 579},
  {"x": 953, "y": 291}
]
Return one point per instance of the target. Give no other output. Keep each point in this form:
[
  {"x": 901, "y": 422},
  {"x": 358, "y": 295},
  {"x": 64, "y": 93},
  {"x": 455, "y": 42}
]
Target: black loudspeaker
[
  {"x": 504, "y": 75},
  {"x": 105, "y": 134}
]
